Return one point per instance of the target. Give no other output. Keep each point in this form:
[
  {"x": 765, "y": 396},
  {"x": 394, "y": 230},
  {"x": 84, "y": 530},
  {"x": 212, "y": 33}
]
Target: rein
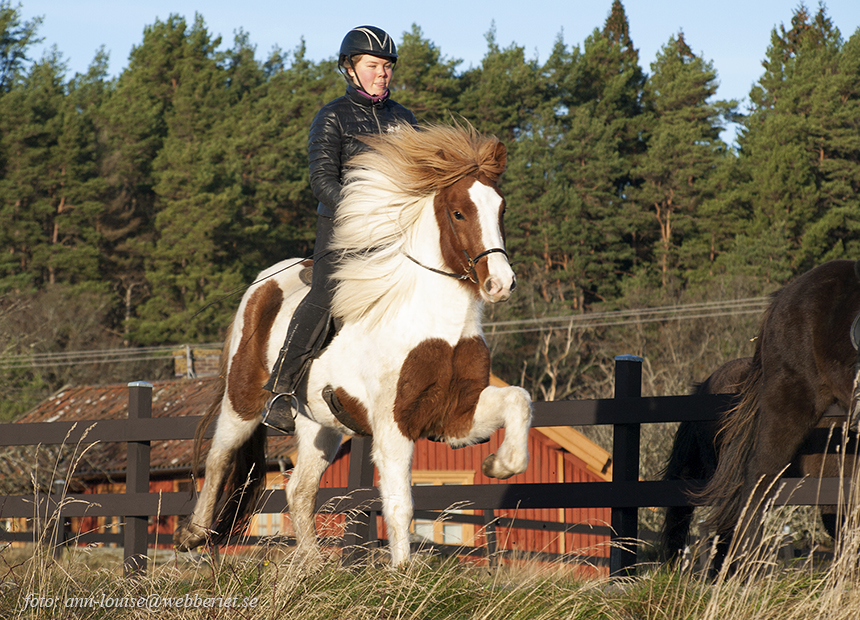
[{"x": 469, "y": 274}]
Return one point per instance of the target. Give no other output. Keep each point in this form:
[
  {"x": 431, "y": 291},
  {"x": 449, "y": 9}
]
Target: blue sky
[{"x": 733, "y": 34}]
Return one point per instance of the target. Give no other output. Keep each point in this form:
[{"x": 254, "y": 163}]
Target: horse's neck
[
  {"x": 442, "y": 303},
  {"x": 392, "y": 295}
]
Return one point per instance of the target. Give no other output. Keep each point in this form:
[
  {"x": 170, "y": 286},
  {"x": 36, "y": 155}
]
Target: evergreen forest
[{"x": 135, "y": 208}]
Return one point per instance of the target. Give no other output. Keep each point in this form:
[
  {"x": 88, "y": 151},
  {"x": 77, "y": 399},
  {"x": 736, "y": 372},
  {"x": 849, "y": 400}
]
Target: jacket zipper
[{"x": 376, "y": 118}]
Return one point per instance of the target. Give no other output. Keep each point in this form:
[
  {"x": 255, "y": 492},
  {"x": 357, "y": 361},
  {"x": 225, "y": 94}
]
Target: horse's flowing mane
[{"x": 386, "y": 189}]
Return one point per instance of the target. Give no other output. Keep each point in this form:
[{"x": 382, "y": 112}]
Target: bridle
[{"x": 469, "y": 272}]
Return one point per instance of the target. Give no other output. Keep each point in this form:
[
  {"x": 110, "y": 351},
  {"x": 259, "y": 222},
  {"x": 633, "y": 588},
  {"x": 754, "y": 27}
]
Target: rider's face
[{"x": 372, "y": 73}]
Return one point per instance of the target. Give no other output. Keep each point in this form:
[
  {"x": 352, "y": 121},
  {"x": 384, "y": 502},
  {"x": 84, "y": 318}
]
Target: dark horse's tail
[
  {"x": 694, "y": 455},
  {"x": 736, "y": 438},
  {"x": 244, "y": 479}
]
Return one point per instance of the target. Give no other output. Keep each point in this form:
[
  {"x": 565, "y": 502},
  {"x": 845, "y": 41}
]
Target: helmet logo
[{"x": 384, "y": 44}]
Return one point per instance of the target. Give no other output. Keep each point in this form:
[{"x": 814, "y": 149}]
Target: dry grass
[{"x": 275, "y": 583}]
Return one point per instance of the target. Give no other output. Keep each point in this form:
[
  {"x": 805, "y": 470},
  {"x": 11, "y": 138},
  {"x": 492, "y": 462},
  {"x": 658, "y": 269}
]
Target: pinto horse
[
  {"x": 696, "y": 449},
  {"x": 420, "y": 240},
  {"x": 804, "y": 364}
]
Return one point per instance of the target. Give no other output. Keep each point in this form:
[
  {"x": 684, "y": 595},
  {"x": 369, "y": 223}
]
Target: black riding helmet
[{"x": 366, "y": 40}]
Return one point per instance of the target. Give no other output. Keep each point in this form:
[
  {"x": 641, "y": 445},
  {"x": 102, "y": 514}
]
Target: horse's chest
[{"x": 439, "y": 386}]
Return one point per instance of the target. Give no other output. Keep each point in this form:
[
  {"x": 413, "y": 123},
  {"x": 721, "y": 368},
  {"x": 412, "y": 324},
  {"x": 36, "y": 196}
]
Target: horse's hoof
[
  {"x": 492, "y": 468},
  {"x": 188, "y": 537}
]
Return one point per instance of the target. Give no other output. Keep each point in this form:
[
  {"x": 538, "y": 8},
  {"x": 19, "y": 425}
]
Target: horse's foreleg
[
  {"x": 392, "y": 455},
  {"x": 230, "y": 434},
  {"x": 511, "y": 408},
  {"x": 317, "y": 448}
]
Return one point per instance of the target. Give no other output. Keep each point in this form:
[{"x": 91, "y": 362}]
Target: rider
[{"x": 366, "y": 60}]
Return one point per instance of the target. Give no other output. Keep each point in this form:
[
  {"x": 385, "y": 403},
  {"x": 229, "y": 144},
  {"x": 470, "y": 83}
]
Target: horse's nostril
[{"x": 514, "y": 283}]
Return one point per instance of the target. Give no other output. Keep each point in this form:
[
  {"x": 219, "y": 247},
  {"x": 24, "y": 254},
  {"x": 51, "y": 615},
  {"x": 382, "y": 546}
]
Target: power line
[
  {"x": 753, "y": 305},
  {"x": 97, "y": 356},
  {"x": 615, "y": 318}
]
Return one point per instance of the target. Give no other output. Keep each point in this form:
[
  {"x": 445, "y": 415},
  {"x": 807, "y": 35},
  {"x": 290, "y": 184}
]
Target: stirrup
[{"x": 279, "y": 414}]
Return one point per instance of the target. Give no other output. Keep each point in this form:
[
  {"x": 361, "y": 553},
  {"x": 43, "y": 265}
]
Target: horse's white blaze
[{"x": 501, "y": 279}]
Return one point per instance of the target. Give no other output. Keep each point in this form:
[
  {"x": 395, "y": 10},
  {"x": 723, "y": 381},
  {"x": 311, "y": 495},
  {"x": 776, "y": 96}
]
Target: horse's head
[{"x": 470, "y": 214}]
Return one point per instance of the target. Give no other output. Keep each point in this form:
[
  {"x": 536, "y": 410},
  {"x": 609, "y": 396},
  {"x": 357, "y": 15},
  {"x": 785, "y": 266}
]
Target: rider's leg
[{"x": 307, "y": 327}]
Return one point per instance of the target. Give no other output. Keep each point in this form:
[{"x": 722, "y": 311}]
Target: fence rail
[{"x": 624, "y": 495}]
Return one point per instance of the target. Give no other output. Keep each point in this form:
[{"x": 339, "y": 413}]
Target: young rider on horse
[{"x": 366, "y": 60}]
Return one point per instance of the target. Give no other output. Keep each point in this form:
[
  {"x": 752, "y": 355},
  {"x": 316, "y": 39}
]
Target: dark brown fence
[{"x": 624, "y": 495}]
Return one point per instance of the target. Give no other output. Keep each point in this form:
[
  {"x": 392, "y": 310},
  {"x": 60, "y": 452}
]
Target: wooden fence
[{"x": 627, "y": 411}]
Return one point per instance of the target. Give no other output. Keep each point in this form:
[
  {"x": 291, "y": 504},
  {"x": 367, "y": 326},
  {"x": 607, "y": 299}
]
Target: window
[
  {"x": 265, "y": 524},
  {"x": 441, "y": 530}
]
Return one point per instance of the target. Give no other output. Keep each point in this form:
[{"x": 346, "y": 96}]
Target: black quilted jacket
[{"x": 332, "y": 140}]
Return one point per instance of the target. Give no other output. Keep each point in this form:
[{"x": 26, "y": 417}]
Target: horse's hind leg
[
  {"x": 317, "y": 448},
  {"x": 231, "y": 433},
  {"x": 508, "y": 407}
]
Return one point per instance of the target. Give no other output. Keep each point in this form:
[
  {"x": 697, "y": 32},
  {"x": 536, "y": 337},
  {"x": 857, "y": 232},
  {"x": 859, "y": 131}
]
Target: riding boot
[{"x": 305, "y": 337}]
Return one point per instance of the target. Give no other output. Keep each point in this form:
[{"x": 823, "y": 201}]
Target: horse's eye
[{"x": 459, "y": 216}]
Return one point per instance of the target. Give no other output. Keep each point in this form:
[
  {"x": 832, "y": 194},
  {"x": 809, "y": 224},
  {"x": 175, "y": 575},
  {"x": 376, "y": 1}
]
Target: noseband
[{"x": 469, "y": 273}]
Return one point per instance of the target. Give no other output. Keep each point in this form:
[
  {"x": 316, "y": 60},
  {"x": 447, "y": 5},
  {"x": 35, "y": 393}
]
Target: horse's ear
[{"x": 501, "y": 155}]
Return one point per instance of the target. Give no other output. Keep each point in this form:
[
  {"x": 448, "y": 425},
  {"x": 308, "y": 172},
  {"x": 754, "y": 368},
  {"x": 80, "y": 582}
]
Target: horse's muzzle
[{"x": 495, "y": 291}]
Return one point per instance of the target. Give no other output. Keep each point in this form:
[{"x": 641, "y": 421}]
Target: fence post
[
  {"x": 137, "y": 481},
  {"x": 490, "y": 534},
  {"x": 625, "y": 468},
  {"x": 59, "y": 533},
  {"x": 357, "y": 534}
]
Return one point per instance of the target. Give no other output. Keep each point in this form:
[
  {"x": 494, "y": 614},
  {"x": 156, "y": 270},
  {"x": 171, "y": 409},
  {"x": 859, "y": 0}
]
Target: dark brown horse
[
  {"x": 804, "y": 364},
  {"x": 696, "y": 449}
]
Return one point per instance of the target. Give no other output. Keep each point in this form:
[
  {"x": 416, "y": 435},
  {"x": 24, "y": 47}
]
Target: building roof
[{"x": 184, "y": 397}]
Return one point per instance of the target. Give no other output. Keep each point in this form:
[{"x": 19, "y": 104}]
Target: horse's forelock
[{"x": 421, "y": 161}]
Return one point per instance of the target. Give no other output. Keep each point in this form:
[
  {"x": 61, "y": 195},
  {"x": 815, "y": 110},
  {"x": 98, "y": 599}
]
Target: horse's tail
[
  {"x": 693, "y": 457},
  {"x": 684, "y": 462},
  {"x": 214, "y": 409},
  {"x": 243, "y": 486},
  {"x": 245, "y": 477},
  {"x": 736, "y": 437}
]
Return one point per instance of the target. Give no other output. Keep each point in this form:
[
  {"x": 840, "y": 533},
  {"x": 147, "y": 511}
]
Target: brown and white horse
[{"x": 420, "y": 229}]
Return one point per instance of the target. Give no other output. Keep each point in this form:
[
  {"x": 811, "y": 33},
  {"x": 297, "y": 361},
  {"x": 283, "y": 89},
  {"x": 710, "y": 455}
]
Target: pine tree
[
  {"x": 501, "y": 95},
  {"x": 17, "y": 37},
  {"x": 266, "y": 159},
  {"x": 425, "y": 81},
  {"x": 49, "y": 189},
  {"x": 186, "y": 266},
  {"x": 799, "y": 148},
  {"x": 676, "y": 173},
  {"x": 133, "y": 122}
]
